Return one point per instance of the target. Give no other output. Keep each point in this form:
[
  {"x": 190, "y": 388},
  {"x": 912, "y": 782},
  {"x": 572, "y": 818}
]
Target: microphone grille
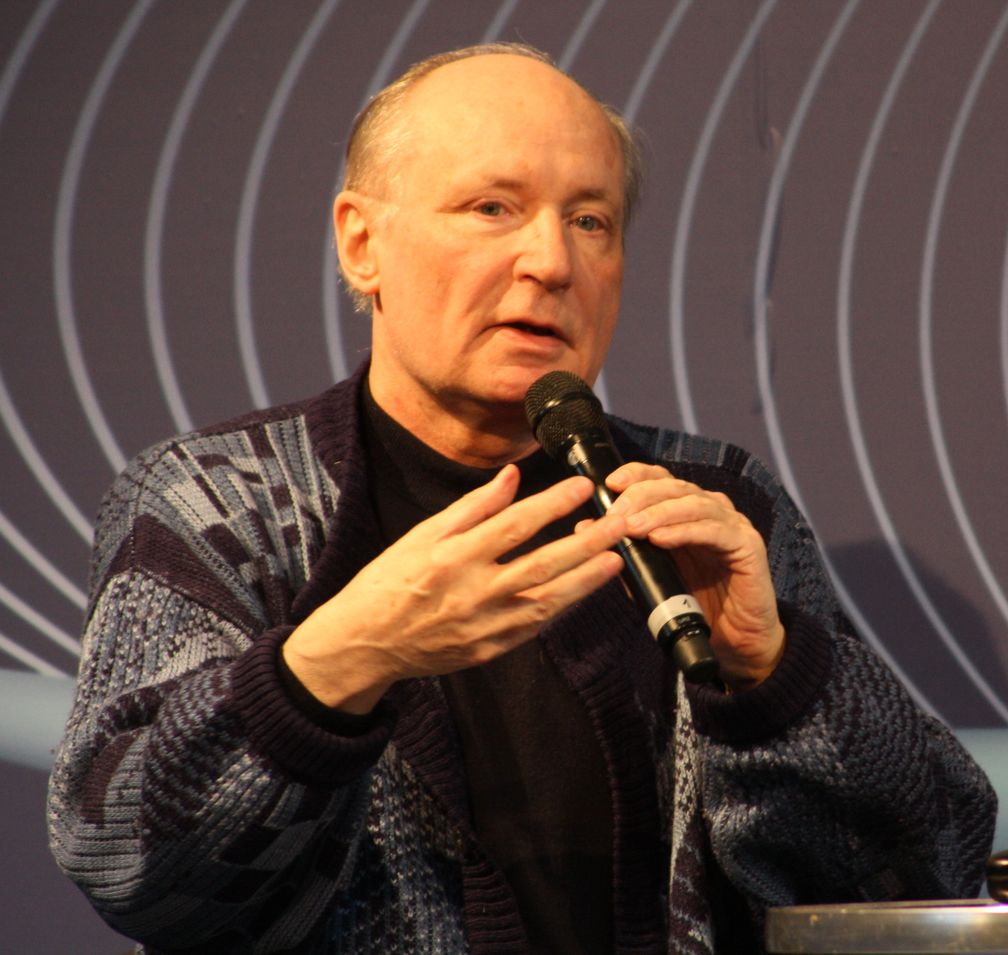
[{"x": 560, "y": 405}]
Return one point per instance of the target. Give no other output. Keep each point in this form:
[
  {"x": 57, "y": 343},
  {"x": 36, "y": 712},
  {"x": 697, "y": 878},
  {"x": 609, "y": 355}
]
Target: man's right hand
[{"x": 437, "y": 600}]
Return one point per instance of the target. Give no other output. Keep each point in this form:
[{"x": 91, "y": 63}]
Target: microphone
[{"x": 567, "y": 420}]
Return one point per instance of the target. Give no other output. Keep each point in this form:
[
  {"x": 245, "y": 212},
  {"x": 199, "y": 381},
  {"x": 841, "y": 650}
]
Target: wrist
[
  {"x": 340, "y": 678},
  {"x": 748, "y": 673},
  {"x": 781, "y": 699}
]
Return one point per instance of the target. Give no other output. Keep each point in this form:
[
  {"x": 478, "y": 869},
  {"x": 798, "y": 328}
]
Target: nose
[{"x": 545, "y": 254}]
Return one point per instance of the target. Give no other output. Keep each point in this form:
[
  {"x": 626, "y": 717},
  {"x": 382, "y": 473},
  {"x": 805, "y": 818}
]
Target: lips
[{"x": 539, "y": 330}]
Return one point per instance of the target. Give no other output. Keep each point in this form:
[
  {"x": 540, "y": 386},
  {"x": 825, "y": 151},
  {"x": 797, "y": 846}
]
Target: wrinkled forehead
[
  {"x": 503, "y": 91},
  {"x": 501, "y": 104}
]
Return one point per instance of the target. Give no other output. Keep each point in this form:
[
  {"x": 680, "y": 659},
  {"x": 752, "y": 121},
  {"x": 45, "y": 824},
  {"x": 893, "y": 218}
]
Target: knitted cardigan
[{"x": 201, "y": 811}]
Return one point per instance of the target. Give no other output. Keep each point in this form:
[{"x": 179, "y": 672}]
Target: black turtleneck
[{"x": 538, "y": 789}]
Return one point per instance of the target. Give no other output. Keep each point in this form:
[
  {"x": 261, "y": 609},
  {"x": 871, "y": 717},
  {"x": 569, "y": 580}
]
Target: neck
[{"x": 472, "y": 435}]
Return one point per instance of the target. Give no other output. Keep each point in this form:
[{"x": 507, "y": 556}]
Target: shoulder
[
  {"x": 710, "y": 462},
  {"x": 262, "y": 463},
  {"x": 175, "y": 466},
  {"x": 248, "y": 447}
]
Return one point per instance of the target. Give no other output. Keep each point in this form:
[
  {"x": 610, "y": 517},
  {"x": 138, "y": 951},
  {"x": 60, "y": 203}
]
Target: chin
[
  {"x": 511, "y": 388},
  {"x": 507, "y": 384}
]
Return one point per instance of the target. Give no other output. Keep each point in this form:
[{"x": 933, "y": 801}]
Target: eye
[
  {"x": 588, "y": 223},
  {"x": 491, "y": 208}
]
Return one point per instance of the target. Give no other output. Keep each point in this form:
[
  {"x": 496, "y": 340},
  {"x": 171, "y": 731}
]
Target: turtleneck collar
[{"x": 410, "y": 481}]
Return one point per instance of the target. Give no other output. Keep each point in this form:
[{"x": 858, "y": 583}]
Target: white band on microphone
[{"x": 670, "y": 609}]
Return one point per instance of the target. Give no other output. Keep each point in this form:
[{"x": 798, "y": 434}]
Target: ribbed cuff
[
  {"x": 300, "y": 745},
  {"x": 326, "y": 717},
  {"x": 765, "y": 710}
]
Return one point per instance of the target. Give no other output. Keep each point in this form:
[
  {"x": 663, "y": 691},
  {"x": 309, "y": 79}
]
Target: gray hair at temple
[{"x": 378, "y": 135}]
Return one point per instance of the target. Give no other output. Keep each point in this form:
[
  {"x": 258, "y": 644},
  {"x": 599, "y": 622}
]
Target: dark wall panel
[{"x": 819, "y": 272}]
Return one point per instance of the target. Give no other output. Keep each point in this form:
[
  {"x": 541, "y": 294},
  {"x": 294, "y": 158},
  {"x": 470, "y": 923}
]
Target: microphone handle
[{"x": 675, "y": 618}]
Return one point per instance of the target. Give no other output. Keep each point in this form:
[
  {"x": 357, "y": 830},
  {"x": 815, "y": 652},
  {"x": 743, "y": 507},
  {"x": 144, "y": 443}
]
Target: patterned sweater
[{"x": 201, "y": 810}]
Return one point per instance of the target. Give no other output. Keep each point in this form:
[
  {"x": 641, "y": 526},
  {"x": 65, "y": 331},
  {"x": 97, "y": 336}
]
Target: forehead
[{"x": 503, "y": 109}]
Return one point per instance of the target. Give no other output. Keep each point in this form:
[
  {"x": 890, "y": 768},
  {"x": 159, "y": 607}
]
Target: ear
[{"x": 354, "y": 218}]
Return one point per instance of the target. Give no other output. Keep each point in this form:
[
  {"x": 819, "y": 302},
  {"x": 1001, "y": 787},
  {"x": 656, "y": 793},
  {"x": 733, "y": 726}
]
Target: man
[{"x": 359, "y": 675}]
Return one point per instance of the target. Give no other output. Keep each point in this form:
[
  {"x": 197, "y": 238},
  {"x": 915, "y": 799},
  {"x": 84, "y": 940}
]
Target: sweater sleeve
[
  {"x": 193, "y": 802},
  {"x": 827, "y": 783}
]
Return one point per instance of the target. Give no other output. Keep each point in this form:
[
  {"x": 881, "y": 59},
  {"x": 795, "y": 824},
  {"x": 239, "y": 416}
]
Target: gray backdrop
[{"x": 819, "y": 272}]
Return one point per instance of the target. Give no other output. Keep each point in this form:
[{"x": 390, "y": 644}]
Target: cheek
[
  {"x": 604, "y": 267},
  {"x": 456, "y": 274},
  {"x": 605, "y": 305},
  {"x": 605, "y": 294}
]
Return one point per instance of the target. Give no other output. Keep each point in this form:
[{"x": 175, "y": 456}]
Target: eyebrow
[{"x": 518, "y": 185}]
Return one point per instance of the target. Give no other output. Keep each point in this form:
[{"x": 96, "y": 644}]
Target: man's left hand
[{"x": 722, "y": 559}]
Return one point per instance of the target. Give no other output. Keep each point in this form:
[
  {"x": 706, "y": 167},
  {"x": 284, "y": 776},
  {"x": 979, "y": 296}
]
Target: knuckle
[
  {"x": 538, "y": 571},
  {"x": 483, "y": 653},
  {"x": 535, "y": 610},
  {"x": 630, "y": 495},
  {"x": 516, "y": 532},
  {"x": 540, "y": 611},
  {"x": 754, "y": 535},
  {"x": 439, "y": 559},
  {"x": 512, "y": 539},
  {"x": 459, "y": 607},
  {"x": 723, "y": 499}
]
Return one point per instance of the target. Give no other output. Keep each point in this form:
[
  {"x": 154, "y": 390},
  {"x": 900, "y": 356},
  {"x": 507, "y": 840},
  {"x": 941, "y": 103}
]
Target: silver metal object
[{"x": 979, "y": 927}]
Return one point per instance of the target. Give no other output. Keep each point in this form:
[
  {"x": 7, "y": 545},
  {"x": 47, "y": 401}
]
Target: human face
[{"x": 498, "y": 249}]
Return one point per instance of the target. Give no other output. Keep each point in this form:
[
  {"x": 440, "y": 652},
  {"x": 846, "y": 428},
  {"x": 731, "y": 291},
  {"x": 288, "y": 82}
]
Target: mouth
[{"x": 540, "y": 331}]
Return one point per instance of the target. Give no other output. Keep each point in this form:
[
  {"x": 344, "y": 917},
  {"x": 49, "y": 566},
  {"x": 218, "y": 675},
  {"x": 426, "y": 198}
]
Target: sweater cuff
[
  {"x": 302, "y": 746},
  {"x": 783, "y": 697}
]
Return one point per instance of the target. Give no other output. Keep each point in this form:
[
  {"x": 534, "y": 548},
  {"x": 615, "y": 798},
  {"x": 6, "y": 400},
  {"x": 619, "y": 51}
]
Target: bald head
[{"x": 381, "y": 134}]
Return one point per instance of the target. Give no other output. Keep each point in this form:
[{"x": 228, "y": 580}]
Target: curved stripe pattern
[
  {"x": 684, "y": 222},
  {"x": 156, "y": 208},
  {"x": 761, "y": 331},
  {"x": 12, "y": 421},
  {"x": 764, "y": 253},
  {"x": 250, "y": 194},
  {"x": 632, "y": 106},
  {"x": 38, "y": 622},
  {"x": 41, "y": 471},
  {"x": 63, "y": 237},
  {"x": 1004, "y": 323},
  {"x": 44, "y": 567},
  {"x": 649, "y": 67},
  {"x": 330, "y": 295},
  {"x": 848, "y": 389},
  {"x": 31, "y": 660},
  {"x": 926, "y": 356},
  {"x": 501, "y": 17},
  {"x": 580, "y": 34},
  {"x": 35, "y": 642}
]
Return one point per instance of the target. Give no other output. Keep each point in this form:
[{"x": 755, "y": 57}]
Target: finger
[
  {"x": 655, "y": 491},
  {"x": 513, "y": 526},
  {"x": 653, "y": 506},
  {"x": 725, "y": 536},
  {"x": 552, "y": 560},
  {"x": 473, "y": 508},
  {"x": 523, "y": 614},
  {"x": 552, "y": 598},
  {"x": 634, "y": 471}
]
